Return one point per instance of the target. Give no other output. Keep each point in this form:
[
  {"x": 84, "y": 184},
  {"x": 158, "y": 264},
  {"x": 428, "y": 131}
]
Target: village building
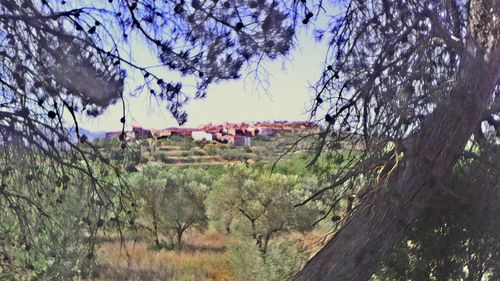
[
  {"x": 184, "y": 132},
  {"x": 242, "y": 141},
  {"x": 161, "y": 134},
  {"x": 267, "y": 131},
  {"x": 201, "y": 136},
  {"x": 236, "y": 134},
  {"x": 140, "y": 133},
  {"x": 229, "y": 139}
]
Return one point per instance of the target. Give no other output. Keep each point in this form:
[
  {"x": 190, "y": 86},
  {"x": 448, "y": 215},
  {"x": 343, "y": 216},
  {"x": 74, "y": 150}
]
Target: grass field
[{"x": 203, "y": 257}]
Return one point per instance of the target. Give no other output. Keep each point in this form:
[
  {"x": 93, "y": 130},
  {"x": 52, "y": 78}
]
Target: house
[
  {"x": 184, "y": 132},
  {"x": 252, "y": 131},
  {"x": 229, "y": 139},
  {"x": 267, "y": 131},
  {"x": 140, "y": 133},
  {"x": 161, "y": 134},
  {"x": 242, "y": 141},
  {"x": 217, "y": 136},
  {"x": 201, "y": 136}
]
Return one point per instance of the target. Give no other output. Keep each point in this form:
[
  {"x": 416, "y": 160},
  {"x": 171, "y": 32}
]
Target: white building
[{"x": 201, "y": 136}]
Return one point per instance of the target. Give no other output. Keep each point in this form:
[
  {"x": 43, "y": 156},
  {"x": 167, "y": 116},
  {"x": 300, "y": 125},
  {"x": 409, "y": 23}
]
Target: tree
[
  {"x": 174, "y": 200},
  {"x": 61, "y": 60},
  {"x": 411, "y": 82},
  {"x": 263, "y": 203},
  {"x": 456, "y": 238},
  {"x": 282, "y": 260},
  {"x": 150, "y": 184},
  {"x": 48, "y": 224}
]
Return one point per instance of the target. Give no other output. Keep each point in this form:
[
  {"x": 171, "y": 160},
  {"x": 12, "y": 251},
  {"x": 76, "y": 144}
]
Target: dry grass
[{"x": 202, "y": 258}]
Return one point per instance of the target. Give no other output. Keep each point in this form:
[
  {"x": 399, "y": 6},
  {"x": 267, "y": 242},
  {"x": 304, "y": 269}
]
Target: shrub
[
  {"x": 232, "y": 154},
  {"x": 195, "y": 151},
  {"x": 244, "y": 260},
  {"x": 210, "y": 150},
  {"x": 184, "y": 154},
  {"x": 143, "y": 159},
  {"x": 156, "y": 156},
  {"x": 282, "y": 262}
]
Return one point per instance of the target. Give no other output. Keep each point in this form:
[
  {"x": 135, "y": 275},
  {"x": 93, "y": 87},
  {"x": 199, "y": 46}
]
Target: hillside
[{"x": 182, "y": 151}]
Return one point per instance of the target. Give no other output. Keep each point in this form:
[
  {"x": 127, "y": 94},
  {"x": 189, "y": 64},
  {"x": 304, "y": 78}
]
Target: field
[{"x": 203, "y": 257}]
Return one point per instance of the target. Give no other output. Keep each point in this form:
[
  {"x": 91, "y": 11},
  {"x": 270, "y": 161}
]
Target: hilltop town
[{"x": 240, "y": 134}]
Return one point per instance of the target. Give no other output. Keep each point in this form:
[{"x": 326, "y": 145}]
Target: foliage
[
  {"x": 232, "y": 154},
  {"x": 261, "y": 205},
  {"x": 210, "y": 150},
  {"x": 195, "y": 151},
  {"x": 283, "y": 260},
  {"x": 457, "y": 240},
  {"x": 63, "y": 60},
  {"x": 244, "y": 259},
  {"x": 173, "y": 200},
  {"x": 48, "y": 229},
  {"x": 420, "y": 77}
]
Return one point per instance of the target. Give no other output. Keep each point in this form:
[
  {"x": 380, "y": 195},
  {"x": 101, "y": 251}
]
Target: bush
[
  {"x": 184, "y": 154},
  {"x": 160, "y": 157},
  {"x": 145, "y": 143},
  {"x": 195, "y": 151},
  {"x": 210, "y": 150},
  {"x": 232, "y": 154},
  {"x": 187, "y": 144},
  {"x": 283, "y": 261},
  {"x": 244, "y": 260},
  {"x": 143, "y": 159}
]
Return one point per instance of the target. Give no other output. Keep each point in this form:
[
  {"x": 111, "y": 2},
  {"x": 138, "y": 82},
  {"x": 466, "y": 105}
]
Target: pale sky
[{"x": 288, "y": 95}]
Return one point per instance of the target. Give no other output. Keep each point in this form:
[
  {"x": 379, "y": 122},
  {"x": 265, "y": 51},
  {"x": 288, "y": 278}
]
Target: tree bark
[
  {"x": 180, "y": 231},
  {"x": 155, "y": 233},
  {"x": 381, "y": 220}
]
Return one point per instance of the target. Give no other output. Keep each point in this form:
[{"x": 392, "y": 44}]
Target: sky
[{"x": 287, "y": 98}]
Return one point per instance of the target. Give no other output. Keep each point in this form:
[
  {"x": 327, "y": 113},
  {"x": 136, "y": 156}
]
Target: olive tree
[
  {"x": 173, "y": 200},
  {"x": 262, "y": 203},
  {"x": 48, "y": 223},
  {"x": 149, "y": 184},
  {"x": 61, "y": 61}
]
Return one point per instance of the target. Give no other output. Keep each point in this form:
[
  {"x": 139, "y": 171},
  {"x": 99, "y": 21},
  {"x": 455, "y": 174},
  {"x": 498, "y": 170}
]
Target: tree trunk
[
  {"x": 180, "y": 231},
  {"x": 155, "y": 233},
  {"x": 381, "y": 220}
]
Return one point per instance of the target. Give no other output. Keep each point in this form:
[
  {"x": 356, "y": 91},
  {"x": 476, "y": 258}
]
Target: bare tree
[{"x": 410, "y": 83}]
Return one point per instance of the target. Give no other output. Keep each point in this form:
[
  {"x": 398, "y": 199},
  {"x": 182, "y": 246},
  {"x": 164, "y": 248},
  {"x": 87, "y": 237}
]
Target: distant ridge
[{"x": 90, "y": 134}]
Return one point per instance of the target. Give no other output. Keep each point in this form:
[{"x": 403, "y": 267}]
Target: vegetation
[
  {"x": 262, "y": 204},
  {"x": 173, "y": 200},
  {"x": 408, "y": 99}
]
